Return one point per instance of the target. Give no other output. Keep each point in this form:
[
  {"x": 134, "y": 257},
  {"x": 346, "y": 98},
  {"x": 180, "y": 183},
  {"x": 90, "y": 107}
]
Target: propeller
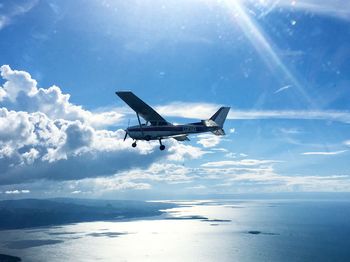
[{"x": 126, "y": 132}]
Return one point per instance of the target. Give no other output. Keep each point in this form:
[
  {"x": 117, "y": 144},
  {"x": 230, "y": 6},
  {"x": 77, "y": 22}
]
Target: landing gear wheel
[
  {"x": 162, "y": 147},
  {"x": 133, "y": 144}
]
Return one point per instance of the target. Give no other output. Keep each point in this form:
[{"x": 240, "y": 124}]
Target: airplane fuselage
[
  {"x": 157, "y": 128},
  {"x": 165, "y": 131}
]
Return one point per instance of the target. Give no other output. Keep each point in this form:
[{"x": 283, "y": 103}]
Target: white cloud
[
  {"x": 16, "y": 128},
  {"x": 347, "y": 142},
  {"x": 134, "y": 179},
  {"x": 331, "y": 115},
  {"x": 272, "y": 182},
  {"x": 21, "y": 93},
  {"x": 180, "y": 151},
  {"x": 35, "y": 147},
  {"x": 290, "y": 131},
  {"x": 160, "y": 172},
  {"x": 282, "y": 89},
  {"x": 231, "y": 155},
  {"x": 206, "y": 110},
  {"x": 327, "y": 153},
  {"x": 15, "y": 10},
  {"x": 75, "y": 139},
  {"x": 336, "y": 8},
  {"x": 44, "y": 136},
  {"x": 188, "y": 110},
  {"x": 263, "y": 177},
  {"x": 220, "y": 149},
  {"x": 208, "y": 140},
  {"x": 198, "y": 187},
  {"x": 243, "y": 162},
  {"x": 16, "y": 191},
  {"x": 30, "y": 156}
]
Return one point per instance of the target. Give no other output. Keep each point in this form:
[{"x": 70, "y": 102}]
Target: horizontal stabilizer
[
  {"x": 181, "y": 138},
  {"x": 219, "y": 132}
]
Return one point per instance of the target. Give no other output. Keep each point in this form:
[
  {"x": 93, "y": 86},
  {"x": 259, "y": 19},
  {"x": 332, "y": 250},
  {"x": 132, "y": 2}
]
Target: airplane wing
[
  {"x": 181, "y": 138},
  {"x": 140, "y": 107}
]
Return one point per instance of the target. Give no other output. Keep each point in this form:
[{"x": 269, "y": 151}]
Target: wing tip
[{"x": 122, "y": 91}]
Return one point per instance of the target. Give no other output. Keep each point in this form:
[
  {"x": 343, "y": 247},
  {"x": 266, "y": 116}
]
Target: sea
[{"x": 206, "y": 230}]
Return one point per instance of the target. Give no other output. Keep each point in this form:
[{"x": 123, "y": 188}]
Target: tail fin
[{"x": 220, "y": 116}]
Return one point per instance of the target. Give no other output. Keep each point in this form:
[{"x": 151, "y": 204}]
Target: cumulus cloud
[
  {"x": 21, "y": 93},
  {"x": 180, "y": 151},
  {"x": 38, "y": 147},
  {"x": 44, "y": 136},
  {"x": 208, "y": 140}
]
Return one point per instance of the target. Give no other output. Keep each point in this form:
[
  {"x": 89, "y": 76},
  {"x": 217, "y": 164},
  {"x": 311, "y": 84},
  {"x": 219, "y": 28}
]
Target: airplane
[{"x": 157, "y": 128}]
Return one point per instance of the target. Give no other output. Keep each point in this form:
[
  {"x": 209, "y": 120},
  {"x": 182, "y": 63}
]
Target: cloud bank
[
  {"x": 49, "y": 145},
  {"x": 44, "y": 136}
]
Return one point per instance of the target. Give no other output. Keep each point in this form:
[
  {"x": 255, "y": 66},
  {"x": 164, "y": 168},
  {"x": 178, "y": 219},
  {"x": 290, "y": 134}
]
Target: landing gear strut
[
  {"x": 134, "y": 144},
  {"x": 162, "y": 147}
]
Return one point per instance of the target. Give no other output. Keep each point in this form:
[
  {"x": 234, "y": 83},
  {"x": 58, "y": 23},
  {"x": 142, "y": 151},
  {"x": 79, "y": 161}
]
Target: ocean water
[{"x": 274, "y": 230}]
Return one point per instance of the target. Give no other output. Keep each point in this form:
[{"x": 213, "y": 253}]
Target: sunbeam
[{"x": 265, "y": 49}]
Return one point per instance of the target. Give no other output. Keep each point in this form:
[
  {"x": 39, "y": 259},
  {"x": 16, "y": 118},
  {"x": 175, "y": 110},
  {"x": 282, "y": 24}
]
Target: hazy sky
[{"x": 282, "y": 66}]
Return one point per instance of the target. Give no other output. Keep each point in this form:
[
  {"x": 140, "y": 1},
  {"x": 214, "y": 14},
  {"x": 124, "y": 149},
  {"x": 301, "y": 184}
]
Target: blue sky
[{"x": 282, "y": 66}]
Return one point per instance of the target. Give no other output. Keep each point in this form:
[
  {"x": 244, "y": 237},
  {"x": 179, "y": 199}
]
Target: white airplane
[{"x": 157, "y": 128}]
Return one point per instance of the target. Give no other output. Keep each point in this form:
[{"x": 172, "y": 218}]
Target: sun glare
[{"x": 263, "y": 45}]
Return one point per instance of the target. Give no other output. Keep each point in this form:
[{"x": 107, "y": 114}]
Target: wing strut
[{"x": 138, "y": 118}]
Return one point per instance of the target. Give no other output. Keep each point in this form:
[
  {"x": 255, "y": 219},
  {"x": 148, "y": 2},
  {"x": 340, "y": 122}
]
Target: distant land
[{"x": 27, "y": 213}]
